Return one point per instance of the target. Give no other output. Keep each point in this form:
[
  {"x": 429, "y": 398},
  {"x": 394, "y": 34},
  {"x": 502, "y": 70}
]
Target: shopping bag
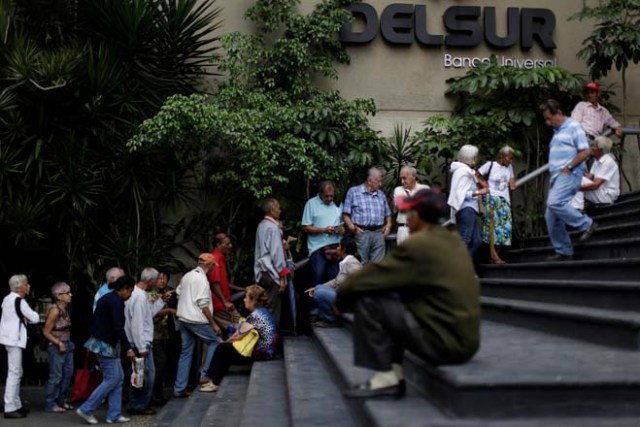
[
  {"x": 87, "y": 379},
  {"x": 247, "y": 343}
]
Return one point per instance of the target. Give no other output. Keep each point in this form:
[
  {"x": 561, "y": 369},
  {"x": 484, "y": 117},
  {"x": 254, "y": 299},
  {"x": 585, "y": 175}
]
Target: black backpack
[{"x": 34, "y": 330}]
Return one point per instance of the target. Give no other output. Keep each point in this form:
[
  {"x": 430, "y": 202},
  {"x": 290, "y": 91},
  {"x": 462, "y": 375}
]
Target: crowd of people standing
[{"x": 133, "y": 320}]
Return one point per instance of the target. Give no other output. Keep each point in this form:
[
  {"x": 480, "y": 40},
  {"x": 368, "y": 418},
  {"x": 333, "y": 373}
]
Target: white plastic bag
[{"x": 137, "y": 372}]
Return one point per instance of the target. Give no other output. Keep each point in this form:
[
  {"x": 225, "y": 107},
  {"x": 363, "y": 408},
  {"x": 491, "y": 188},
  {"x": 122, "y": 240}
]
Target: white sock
[
  {"x": 398, "y": 370},
  {"x": 383, "y": 379}
]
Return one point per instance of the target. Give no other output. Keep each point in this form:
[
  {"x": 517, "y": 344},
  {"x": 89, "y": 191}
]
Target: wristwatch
[{"x": 570, "y": 167}]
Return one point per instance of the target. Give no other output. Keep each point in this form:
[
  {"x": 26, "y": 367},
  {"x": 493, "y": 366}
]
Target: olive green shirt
[{"x": 434, "y": 275}]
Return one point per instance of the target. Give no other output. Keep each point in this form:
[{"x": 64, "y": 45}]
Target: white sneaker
[
  {"x": 121, "y": 419},
  {"x": 209, "y": 387},
  {"x": 88, "y": 418}
]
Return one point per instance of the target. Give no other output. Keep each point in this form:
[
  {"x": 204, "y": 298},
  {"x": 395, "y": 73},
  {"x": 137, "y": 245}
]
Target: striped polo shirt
[{"x": 567, "y": 141}]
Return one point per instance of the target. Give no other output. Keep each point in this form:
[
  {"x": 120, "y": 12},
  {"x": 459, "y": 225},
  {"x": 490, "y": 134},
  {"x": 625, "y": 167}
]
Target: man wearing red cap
[{"x": 592, "y": 116}]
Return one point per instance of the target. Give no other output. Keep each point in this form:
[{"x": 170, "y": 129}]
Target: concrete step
[
  {"x": 630, "y": 229},
  {"x": 628, "y": 196},
  {"x": 207, "y": 409},
  {"x": 266, "y": 397},
  {"x": 582, "y": 388},
  {"x": 620, "y": 269},
  {"x": 626, "y": 204},
  {"x": 606, "y": 327},
  {"x": 614, "y": 218},
  {"x": 605, "y": 249},
  {"x": 599, "y": 294},
  {"x": 314, "y": 398}
]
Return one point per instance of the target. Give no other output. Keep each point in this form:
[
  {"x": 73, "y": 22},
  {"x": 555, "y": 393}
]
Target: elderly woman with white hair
[
  {"x": 463, "y": 196},
  {"x": 57, "y": 330},
  {"x": 601, "y": 185},
  {"x": 497, "y": 220},
  {"x": 13, "y": 335}
]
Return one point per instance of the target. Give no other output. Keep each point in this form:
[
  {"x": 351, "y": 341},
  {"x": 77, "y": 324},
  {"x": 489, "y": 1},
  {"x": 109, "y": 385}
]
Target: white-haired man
[
  {"x": 601, "y": 185},
  {"x": 409, "y": 186},
  {"x": 113, "y": 274},
  {"x": 139, "y": 311},
  {"x": 366, "y": 214},
  {"x": 13, "y": 335}
]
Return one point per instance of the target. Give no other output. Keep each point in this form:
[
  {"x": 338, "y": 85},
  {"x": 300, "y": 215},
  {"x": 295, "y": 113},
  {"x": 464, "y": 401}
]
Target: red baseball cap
[
  {"x": 431, "y": 204},
  {"x": 592, "y": 86}
]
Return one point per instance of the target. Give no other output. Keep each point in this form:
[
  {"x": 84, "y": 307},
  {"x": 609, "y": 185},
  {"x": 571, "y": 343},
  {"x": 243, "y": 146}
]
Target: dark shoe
[
  {"x": 159, "y": 402},
  {"x": 364, "y": 391},
  {"x": 24, "y": 410},
  {"x": 148, "y": 411},
  {"x": 182, "y": 395},
  {"x": 15, "y": 414},
  {"x": 585, "y": 236},
  {"x": 559, "y": 257}
]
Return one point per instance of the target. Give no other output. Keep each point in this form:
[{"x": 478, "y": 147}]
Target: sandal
[
  {"x": 58, "y": 410},
  {"x": 67, "y": 406},
  {"x": 498, "y": 261}
]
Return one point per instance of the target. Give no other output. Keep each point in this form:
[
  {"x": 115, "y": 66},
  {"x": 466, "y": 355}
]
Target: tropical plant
[
  {"x": 615, "y": 40},
  {"x": 269, "y": 130},
  {"x": 76, "y": 77}
]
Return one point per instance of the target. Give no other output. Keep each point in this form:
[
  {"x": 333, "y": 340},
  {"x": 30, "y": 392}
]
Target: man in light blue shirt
[
  {"x": 568, "y": 150},
  {"x": 321, "y": 222},
  {"x": 113, "y": 274}
]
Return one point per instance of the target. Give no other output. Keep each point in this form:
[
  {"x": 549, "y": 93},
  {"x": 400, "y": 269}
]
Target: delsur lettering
[{"x": 466, "y": 26}]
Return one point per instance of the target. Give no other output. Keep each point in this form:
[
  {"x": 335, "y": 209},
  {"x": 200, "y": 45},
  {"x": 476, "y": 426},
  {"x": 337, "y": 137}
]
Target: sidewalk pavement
[{"x": 34, "y": 397}]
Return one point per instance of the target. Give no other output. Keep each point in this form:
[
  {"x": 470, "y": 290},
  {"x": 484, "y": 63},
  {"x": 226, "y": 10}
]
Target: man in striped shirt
[
  {"x": 568, "y": 150},
  {"x": 592, "y": 116}
]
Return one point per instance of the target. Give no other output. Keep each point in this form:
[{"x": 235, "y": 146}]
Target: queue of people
[{"x": 412, "y": 298}]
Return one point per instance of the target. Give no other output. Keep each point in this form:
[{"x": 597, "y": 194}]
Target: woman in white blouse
[{"x": 13, "y": 335}]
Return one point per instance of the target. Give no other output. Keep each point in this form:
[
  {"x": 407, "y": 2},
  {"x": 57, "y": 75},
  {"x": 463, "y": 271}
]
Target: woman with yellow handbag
[{"x": 255, "y": 339}]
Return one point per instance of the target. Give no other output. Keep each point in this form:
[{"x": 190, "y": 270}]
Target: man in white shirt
[
  {"x": 195, "y": 317},
  {"x": 139, "y": 312},
  {"x": 602, "y": 184},
  {"x": 13, "y": 335},
  {"x": 409, "y": 187}
]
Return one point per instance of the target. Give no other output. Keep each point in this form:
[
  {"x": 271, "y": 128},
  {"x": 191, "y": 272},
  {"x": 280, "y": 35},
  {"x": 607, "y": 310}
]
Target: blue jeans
[
  {"x": 140, "y": 398},
  {"x": 110, "y": 388},
  {"x": 371, "y": 246},
  {"x": 560, "y": 213},
  {"x": 189, "y": 332},
  {"x": 60, "y": 373},
  {"x": 325, "y": 296},
  {"x": 323, "y": 269},
  {"x": 467, "y": 220}
]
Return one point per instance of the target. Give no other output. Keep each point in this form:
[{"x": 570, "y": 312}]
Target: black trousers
[
  {"x": 160, "y": 359},
  {"x": 383, "y": 329},
  {"x": 224, "y": 357}
]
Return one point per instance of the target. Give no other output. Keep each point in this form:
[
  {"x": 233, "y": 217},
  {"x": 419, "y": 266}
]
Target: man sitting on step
[
  {"x": 601, "y": 186},
  {"x": 423, "y": 297}
]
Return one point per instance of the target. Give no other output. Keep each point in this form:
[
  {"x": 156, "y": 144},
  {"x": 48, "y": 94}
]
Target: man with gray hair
[
  {"x": 270, "y": 265},
  {"x": 113, "y": 274},
  {"x": 13, "y": 335},
  {"x": 139, "y": 311},
  {"x": 366, "y": 214},
  {"x": 409, "y": 186},
  {"x": 601, "y": 185}
]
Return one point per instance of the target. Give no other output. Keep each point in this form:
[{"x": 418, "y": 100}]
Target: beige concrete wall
[{"x": 408, "y": 83}]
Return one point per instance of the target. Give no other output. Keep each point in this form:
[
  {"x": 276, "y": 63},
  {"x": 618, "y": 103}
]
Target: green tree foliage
[
  {"x": 76, "y": 77},
  {"x": 269, "y": 129},
  {"x": 615, "y": 40},
  {"x": 496, "y": 106}
]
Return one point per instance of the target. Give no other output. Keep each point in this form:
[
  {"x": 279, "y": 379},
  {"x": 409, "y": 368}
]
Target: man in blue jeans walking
[
  {"x": 568, "y": 150},
  {"x": 195, "y": 317}
]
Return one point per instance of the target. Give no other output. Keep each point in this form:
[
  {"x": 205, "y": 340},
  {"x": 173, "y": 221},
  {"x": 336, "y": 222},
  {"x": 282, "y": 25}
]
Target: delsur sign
[{"x": 465, "y": 26}]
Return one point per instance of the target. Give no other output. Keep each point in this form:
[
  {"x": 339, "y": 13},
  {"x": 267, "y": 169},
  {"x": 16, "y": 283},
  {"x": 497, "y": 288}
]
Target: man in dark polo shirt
[
  {"x": 366, "y": 214},
  {"x": 423, "y": 297}
]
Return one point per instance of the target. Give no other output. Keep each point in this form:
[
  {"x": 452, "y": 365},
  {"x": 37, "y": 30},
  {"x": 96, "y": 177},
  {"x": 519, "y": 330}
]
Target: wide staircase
[{"x": 560, "y": 347}]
